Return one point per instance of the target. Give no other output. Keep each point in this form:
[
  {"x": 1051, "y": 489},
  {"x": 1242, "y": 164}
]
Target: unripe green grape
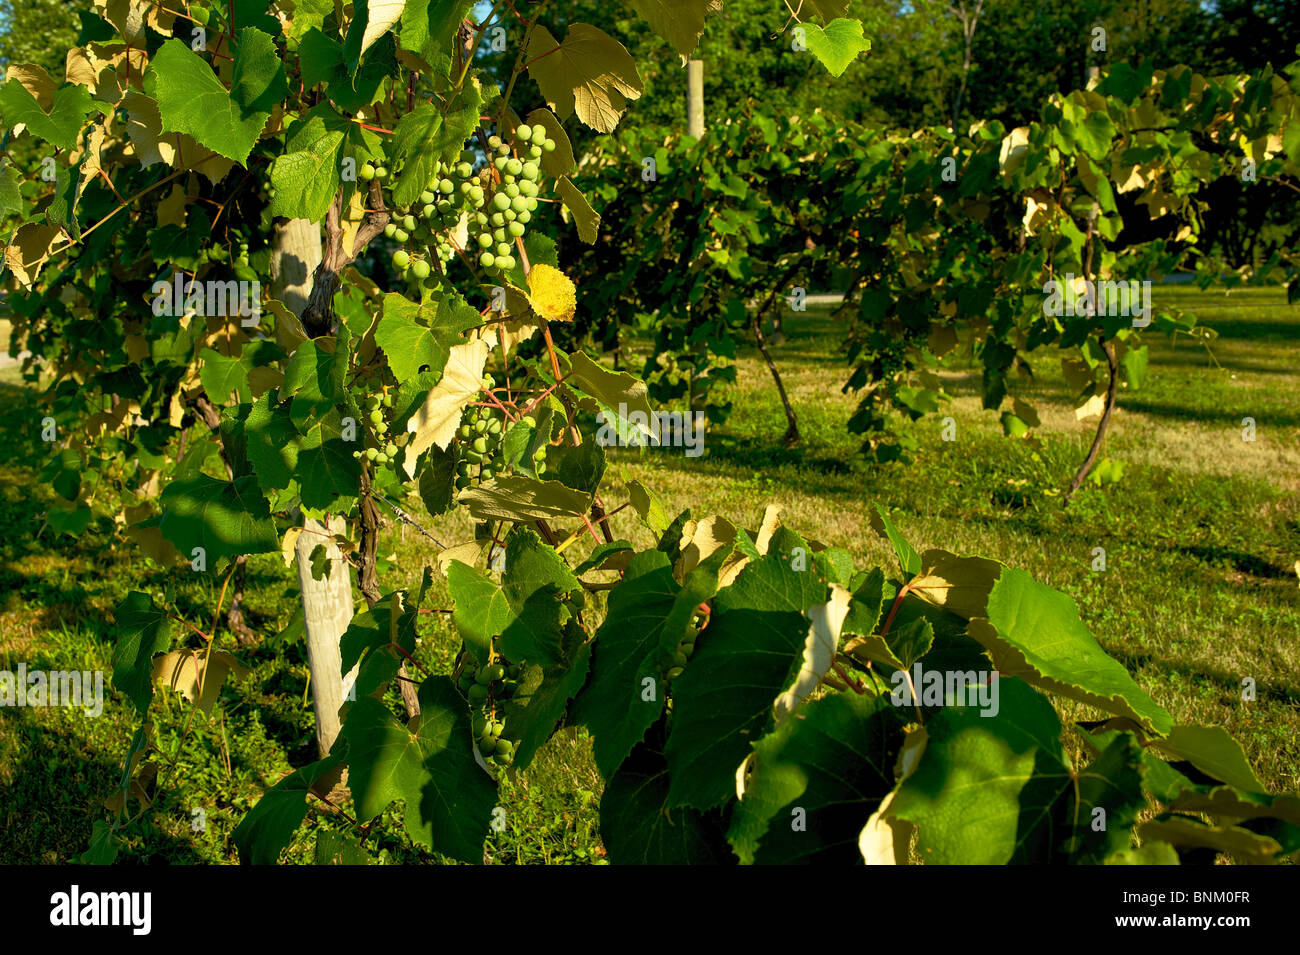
[
  {"x": 401, "y": 259},
  {"x": 381, "y": 458},
  {"x": 539, "y": 133},
  {"x": 510, "y": 215},
  {"x": 428, "y": 211},
  {"x": 480, "y": 425},
  {"x": 480, "y": 445},
  {"x": 507, "y": 179},
  {"x": 466, "y": 431},
  {"x": 525, "y": 217},
  {"x": 390, "y": 230},
  {"x": 530, "y": 204},
  {"x": 503, "y": 248},
  {"x": 381, "y": 173},
  {"x": 494, "y": 426},
  {"x": 548, "y": 146},
  {"x": 400, "y": 236},
  {"x": 519, "y": 204},
  {"x": 409, "y": 223},
  {"x": 501, "y": 202},
  {"x": 388, "y": 401},
  {"x": 476, "y": 195},
  {"x": 484, "y": 240},
  {"x": 511, "y": 190},
  {"x": 498, "y": 219},
  {"x": 501, "y": 262},
  {"x": 500, "y": 163},
  {"x": 487, "y": 260},
  {"x": 499, "y": 235},
  {"x": 371, "y": 453},
  {"x": 464, "y": 169},
  {"x": 674, "y": 673},
  {"x": 426, "y": 197},
  {"x": 505, "y": 747},
  {"x": 446, "y": 187},
  {"x": 534, "y": 152},
  {"x": 494, "y": 141},
  {"x": 514, "y": 166},
  {"x": 473, "y": 457},
  {"x": 465, "y": 189},
  {"x": 356, "y": 454},
  {"x": 420, "y": 269},
  {"x": 516, "y": 228},
  {"x": 477, "y": 693},
  {"x": 463, "y": 482},
  {"x": 480, "y": 725},
  {"x": 366, "y": 172},
  {"x": 510, "y": 262},
  {"x": 443, "y": 206},
  {"x": 530, "y": 170},
  {"x": 528, "y": 189},
  {"x": 524, "y": 133},
  {"x": 487, "y": 474},
  {"x": 503, "y": 150}
]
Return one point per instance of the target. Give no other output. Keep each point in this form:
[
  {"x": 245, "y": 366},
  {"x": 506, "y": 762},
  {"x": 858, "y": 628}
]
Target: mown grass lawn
[{"x": 1199, "y": 591}]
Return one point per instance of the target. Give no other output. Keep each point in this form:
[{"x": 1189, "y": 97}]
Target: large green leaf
[
  {"x": 1034, "y": 632},
  {"x": 543, "y": 696},
  {"x": 269, "y": 826},
  {"x": 308, "y": 173},
  {"x": 192, "y": 100},
  {"x": 58, "y": 127},
  {"x": 535, "y": 577},
  {"x": 639, "y": 828},
  {"x": 414, "y": 336},
  {"x": 648, "y": 616},
  {"x": 837, "y": 45},
  {"x": 143, "y": 630},
  {"x": 680, "y": 22},
  {"x": 429, "y": 764},
  {"x": 748, "y": 655},
  {"x": 816, "y": 779},
  {"x": 425, "y": 135},
  {"x": 225, "y": 518},
  {"x": 480, "y": 610}
]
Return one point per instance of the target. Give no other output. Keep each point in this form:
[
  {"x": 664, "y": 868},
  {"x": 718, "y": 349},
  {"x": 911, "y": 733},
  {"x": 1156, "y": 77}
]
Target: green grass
[{"x": 1198, "y": 594}]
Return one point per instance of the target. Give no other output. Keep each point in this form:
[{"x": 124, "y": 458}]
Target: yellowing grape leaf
[
  {"x": 183, "y": 670},
  {"x": 551, "y": 293},
  {"x": 438, "y": 418},
  {"x": 590, "y": 73}
]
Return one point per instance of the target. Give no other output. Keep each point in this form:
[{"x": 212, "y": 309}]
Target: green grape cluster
[
  {"x": 497, "y": 202},
  {"x": 381, "y": 448},
  {"x": 682, "y": 655},
  {"x": 481, "y": 433},
  {"x": 487, "y": 687},
  {"x": 514, "y": 199}
]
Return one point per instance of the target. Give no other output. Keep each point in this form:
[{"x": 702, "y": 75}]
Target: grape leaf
[
  {"x": 744, "y": 660},
  {"x": 192, "y": 100},
  {"x": 1034, "y": 632},
  {"x": 680, "y": 22},
  {"x": 517, "y": 497},
  {"x": 429, "y": 764},
  {"x": 437, "y": 420},
  {"x": 480, "y": 611},
  {"x": 639, "y": 828},
  {"x": 535, "y": 577},
  {"x": 590, "y": 73},
  {"x": 226, "y": 519},
  {"x": 142, "y": 631},
  {"x": 543, "y": 696},
  {"x": 835, "y": 765},
  {"x": 409, "y": 344},
  {"x": 59, "y": 125},
  {"x": 269, "y": 826},
  {"x": 837, "y": 45},
  {"x": 649, "y": 613},
  {"x": 585, "y": 217}
]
